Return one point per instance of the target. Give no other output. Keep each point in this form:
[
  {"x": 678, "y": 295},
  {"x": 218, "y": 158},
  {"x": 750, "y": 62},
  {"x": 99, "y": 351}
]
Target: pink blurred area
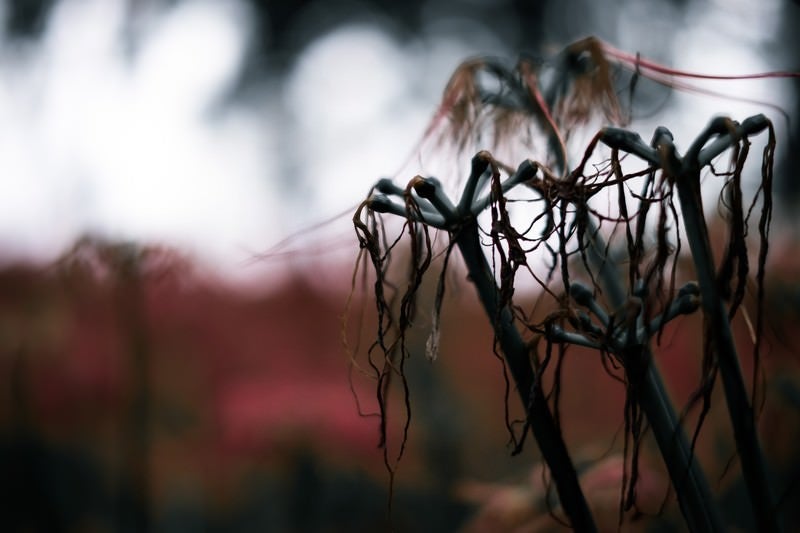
[
  {"x": 76, "y": 334},
  {"x": 132, "y": 357},
  {"x": 169, "y": 378}
]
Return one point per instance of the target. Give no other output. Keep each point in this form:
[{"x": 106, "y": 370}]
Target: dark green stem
[
  {"x": 724, "y": 348},
  {"x": 543, "y": 426},
  {"x": 691, "y": 487}
]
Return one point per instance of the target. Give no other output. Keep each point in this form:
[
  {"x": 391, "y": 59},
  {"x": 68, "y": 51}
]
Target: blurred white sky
[{"x": 138, "y": 145}]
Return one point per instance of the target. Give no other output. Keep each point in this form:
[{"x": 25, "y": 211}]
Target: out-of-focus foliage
[{"x": 140, "y": 394}]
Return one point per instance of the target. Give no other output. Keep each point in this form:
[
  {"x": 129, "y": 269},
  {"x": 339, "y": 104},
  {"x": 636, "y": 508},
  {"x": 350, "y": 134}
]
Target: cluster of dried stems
[{"x": 567, "y": 229}]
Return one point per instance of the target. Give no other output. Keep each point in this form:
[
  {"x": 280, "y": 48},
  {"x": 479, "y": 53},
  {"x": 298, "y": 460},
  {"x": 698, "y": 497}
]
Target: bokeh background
[{"x": 176, "y": 183}]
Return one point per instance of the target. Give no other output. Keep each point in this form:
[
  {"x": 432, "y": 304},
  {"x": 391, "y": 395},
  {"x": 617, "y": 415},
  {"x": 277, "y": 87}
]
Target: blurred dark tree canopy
[
  {"x": 523, "y": 25},
  {"x": 26, "y": 18},
  {"x": 283, "y": 28}
]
